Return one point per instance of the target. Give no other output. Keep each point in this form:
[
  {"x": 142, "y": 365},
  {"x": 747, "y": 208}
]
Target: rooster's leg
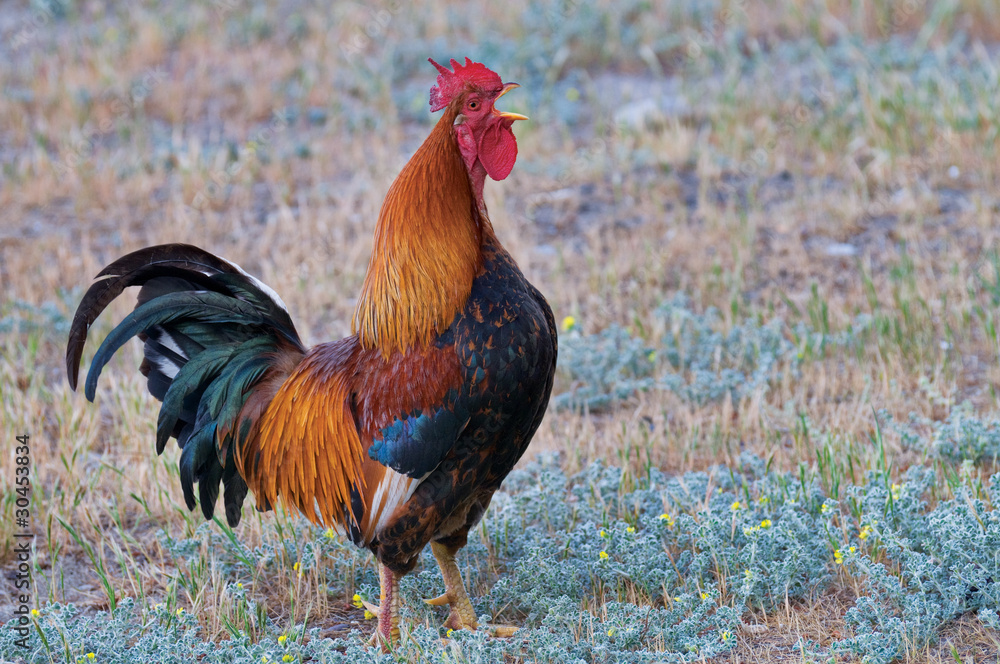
[
  {"x": 462, "y": 615},
  {"x": 387, "y": 631}
]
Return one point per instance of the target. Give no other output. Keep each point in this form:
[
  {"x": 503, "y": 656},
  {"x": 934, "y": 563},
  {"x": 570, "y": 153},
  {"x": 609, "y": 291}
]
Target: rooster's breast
[{"x": 506, "y": 342}]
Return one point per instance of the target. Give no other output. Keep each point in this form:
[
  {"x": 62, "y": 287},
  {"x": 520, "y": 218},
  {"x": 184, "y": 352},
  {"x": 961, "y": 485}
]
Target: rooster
[{"x": 396, "y": 436}]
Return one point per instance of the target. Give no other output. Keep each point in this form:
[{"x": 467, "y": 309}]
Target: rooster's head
[{"x": 483, "y": 132}]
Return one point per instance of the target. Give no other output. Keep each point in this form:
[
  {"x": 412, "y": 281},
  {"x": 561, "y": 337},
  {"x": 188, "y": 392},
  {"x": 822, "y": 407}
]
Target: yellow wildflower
[
  {"x": 369, "y": 615},
  {"x": 91, "y": 656},
  {"x": 766, "y": 523},
  {"x": 895, "y": 491},
  {"x": 568, "y": 323},
  {"x": 603, "y": 533},
  {"x": 329, "y": 534},
  {"x": 180, "y": 611},
  {"x": 764, "y": 500},
  {"x": 704, "y": 595},
  {"x": 838, "y": 557},
  {"x": 603, "y": 555},
  {"x": 448, "y": 633},
  {"x": 34, "y": 612},
  {"x": 356, "y": 600},
  {"x": 865, "y": 532},
  {"x": 735, "y": 506},
  {"x": 851, "y": 549},
  {"x": 669, "y": 519},
  {"x": 726, "y": 635},
  {"x": 611, "y": 632},
  {"x": 824, "y": 509},
  {"x": 287, "y": 658},
  {"x": 282, "y": 639},
  {"x": 630, "y": 529}
]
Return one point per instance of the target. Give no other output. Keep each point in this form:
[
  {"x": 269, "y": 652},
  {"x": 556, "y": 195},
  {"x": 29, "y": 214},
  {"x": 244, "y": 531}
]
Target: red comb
[{"x": 450, "y": 83}]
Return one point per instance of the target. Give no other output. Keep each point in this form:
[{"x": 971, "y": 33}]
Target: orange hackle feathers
[
  {"x": 305, "y": 447},
  {"x": 311, "y": 432},
  {"x": 426, "y": 252}
]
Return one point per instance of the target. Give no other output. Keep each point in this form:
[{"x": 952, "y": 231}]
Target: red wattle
[{"x": 498, "y": 150}]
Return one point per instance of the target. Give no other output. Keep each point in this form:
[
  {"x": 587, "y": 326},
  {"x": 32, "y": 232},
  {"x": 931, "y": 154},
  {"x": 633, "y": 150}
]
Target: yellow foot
[
  {"x": 461, "y": 615},
  {"x": 502, "y": 631},
  {"x": 497, "y": 631}
]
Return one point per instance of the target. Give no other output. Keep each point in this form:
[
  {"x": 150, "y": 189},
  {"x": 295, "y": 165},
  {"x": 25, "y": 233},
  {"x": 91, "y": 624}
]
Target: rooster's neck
[
  {"x": 427, "y": 248},
  {"x": 477, "y": 179}
]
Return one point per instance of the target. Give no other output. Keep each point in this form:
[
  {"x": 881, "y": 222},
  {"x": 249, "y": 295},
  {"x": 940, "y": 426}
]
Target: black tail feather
[
  {"x": 211, "y": 333},
  {"x": 164, "y": 263}
]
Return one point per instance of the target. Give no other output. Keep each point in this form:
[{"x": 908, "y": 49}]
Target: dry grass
[{"x": 135, "y": 126}]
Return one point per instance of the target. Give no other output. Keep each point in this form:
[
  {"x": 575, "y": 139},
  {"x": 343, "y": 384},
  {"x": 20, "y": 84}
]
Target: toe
[
  {"x": 374, "y": 610},
  {"x": 502, "y": 631},
  {"x": 440, "y": 600}
]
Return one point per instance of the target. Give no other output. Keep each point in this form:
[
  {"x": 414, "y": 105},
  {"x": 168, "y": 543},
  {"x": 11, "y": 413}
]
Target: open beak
[{"x": 507, "y": 116}]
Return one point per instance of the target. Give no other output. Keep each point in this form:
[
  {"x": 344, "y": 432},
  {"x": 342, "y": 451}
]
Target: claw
[
  {"x": 376, "y": 641},
  {"x": 440, "y": 600}
]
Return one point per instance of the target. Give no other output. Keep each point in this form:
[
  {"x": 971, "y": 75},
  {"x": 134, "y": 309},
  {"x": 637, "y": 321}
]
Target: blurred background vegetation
[{"x": 766, "y": 227}]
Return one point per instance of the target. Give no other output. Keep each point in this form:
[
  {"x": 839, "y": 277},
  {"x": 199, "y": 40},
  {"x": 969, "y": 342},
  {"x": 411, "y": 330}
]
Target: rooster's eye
[{"x": 473, "y": 105}]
